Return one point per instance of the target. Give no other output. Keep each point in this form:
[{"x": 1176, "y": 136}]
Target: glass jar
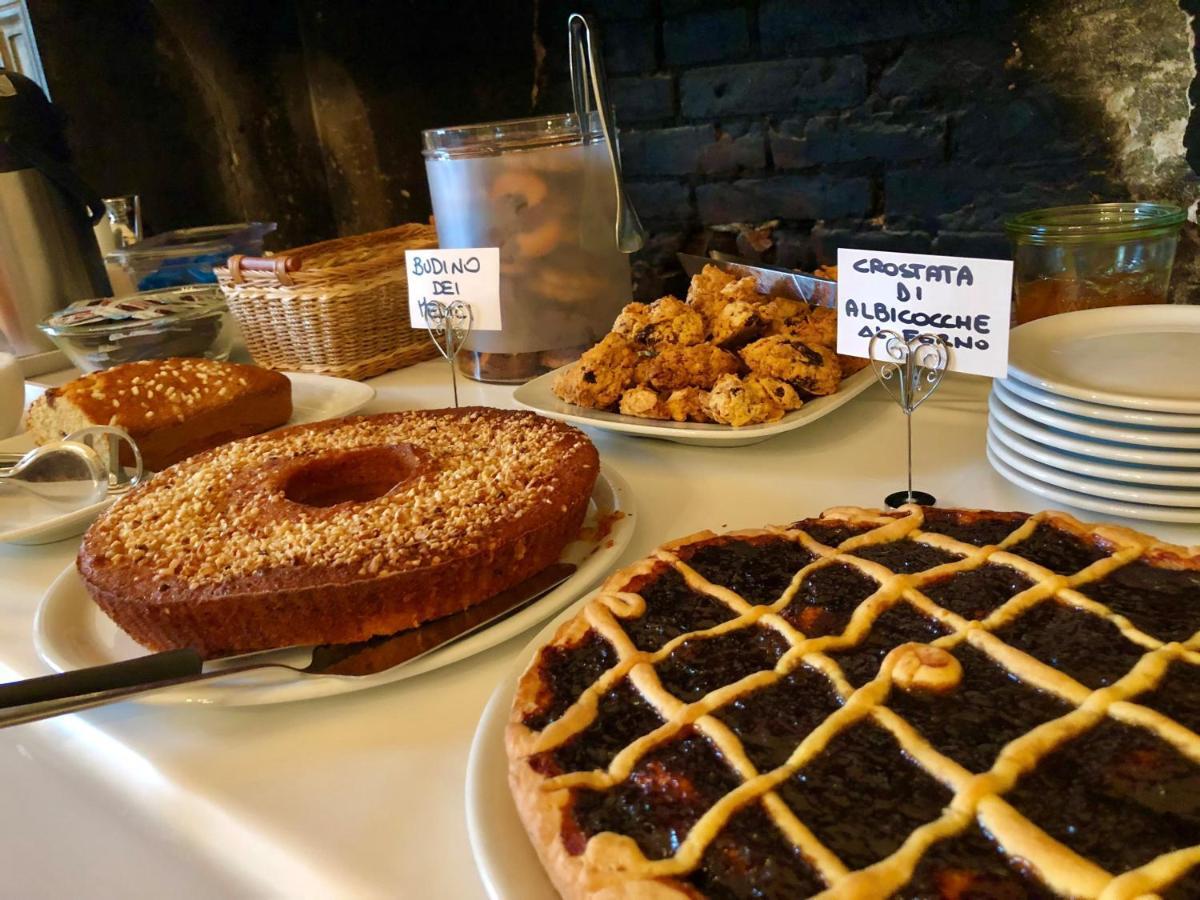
[
  {"x": 542, "y": 192},
  {"x": 1101, "y": 254}
]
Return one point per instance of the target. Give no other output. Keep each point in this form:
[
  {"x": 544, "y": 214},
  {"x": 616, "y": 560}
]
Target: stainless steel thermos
[{"x": 48, "y": 251}]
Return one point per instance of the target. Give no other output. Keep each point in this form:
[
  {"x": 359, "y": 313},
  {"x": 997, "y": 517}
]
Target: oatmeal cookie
[
  {"x": 689, "y": 405},
  {"x": 600, "y": 376},
  {"x": 780, "y": 391},
  {"x": 673, "y": 367},
  {"x": 818, "y": 327},
  {"x": 737, "y": 323},
  {"x": 704, "y": 293},
  {"x": 668, "y": 320},
  {"x": 812, "y": 369},
  {"x": 743, "y": 289},
  {"x": 737, "y": 402},
  {"x": 644, "y": 402}
]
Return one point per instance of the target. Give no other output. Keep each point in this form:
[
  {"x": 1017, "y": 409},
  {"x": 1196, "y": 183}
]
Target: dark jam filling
[
  {"x": 672, "y": 609},
  {"x": 987, "y": 709},
  {"x": 750, "y": 859},
  {"x": 1117, "y": 795},
  {"x": 896, "y": 626},
  {"x": 862, "y": 796},
  {"x": 831, "y": 532},
  {"x": 758, "y": 571},
  {"x": 657, "y": 805},
  {"x": 772, "y": 721},
  {"x": 1186, "y": 887},
  {"x": 1058, "y": 550},
  {"x": 906, "y": 556},
  {"x": 1164, "y": 603},
  {"x": 827, "y": 598},
  {"x": 1090, "y": 649},
  {"x": 701, "y": 665},
  {"x": 978, "y": 593},
  {"x": 970, "y": 867},
  {"x": 622, "y": 716},
  {"x": 1177, "y": 695},
  {"x": 979, "y": 529},
  {"x": 566, "y": 673}
]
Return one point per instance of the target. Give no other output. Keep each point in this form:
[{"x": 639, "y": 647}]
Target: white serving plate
[
  {"x": 71, "y": 632},
  {"x": 1099, "y": 412},
  {"x": 1096, "y": 504},
  {"x": 1161, "y": 438},
  {"x": 1102, "y": 450},
  {"x": 1074, "y": 462},
  {"x": 537, "y": 396},
  {"x": 1137, "y": 357},
  {"x": 314, "y": 397},
  {"x": 508, "y": 865},
  {"x": 1095, "y": 487}
]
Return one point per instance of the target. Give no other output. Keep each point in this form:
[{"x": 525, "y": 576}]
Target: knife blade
[
  {"x": 772, "y": 280},
  {"x": 51, "y": 695}
]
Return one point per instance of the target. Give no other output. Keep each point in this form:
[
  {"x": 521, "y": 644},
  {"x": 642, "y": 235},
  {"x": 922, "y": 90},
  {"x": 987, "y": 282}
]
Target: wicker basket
[{"x": 335, "y": 308}]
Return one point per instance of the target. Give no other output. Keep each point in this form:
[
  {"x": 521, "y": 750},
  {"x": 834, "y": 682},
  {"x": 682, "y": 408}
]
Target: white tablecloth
[{"x": 362, "y": 794}]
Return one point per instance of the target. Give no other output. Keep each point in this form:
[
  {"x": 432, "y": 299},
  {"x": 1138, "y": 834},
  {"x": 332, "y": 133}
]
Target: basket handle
[{"x": 282, "y": 266}]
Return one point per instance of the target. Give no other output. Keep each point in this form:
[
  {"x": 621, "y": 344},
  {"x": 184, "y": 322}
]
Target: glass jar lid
[
  {"x": 1094, "y": 222},
  {"x": 494, "y": 138}
]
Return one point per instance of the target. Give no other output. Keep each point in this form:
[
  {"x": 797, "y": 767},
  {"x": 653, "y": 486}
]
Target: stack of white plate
[{"x": 1101, "y": 411}]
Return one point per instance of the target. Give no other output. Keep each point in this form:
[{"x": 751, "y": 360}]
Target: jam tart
[{"x": 921, "y": 703}]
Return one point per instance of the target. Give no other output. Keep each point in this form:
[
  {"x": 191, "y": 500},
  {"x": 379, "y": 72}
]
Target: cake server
[
  {"x": 52, "y": 695},
  {"x": 773, "y": 280}
]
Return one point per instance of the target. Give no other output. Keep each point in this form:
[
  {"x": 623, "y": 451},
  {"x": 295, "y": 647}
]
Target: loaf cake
[
  {"x": 338, "y": 531},
  {"x": 173, "y": 408},
  {"x": 924, "y": 704}
]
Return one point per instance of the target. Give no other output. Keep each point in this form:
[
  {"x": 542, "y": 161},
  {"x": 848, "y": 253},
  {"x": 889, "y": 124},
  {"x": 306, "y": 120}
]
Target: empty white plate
[
  {"x": 1112, "y": 414},
  {"x": 1075, "y": 462},
  {"x": 1139, "y": 357},
  {"x": 1161, "y": 438},
  {"x": 1096, "y": 504},
  {"x": 1103, "y": 450},
  {"x": 1096, "y": 487}
]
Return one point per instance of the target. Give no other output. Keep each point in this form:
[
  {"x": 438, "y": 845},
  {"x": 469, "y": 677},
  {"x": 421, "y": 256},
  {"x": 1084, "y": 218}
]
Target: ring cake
[
  {"x": 920, "y": 704},
  {"x": 338, "y": 531}
]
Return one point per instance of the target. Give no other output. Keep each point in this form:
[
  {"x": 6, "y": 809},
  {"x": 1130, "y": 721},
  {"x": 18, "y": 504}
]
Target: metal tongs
[
  {"x": 75, "y": 471},
  {"x": 588, "y": 83}
]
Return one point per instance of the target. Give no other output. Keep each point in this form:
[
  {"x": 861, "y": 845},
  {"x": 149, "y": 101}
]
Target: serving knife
[
  {"x": 773, "y": 280},
  {"x": 51, "y": 695}
]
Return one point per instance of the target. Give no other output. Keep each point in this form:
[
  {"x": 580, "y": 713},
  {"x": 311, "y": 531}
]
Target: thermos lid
[{"x": 27, "y": 120}]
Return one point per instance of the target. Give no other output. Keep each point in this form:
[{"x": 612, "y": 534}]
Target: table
[{"x": 361, "y": 795}]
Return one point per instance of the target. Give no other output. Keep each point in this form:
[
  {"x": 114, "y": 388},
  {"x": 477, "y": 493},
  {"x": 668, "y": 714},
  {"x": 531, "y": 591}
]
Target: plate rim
[
  {"x": 1121, "y": 434},
  {"x": 289, "y": 688},
  {"x": 1088, "y": 485},
  {"x": 1098, "y": 411},
  {"x": 680, "y": 432},
  {"x": 1120, "y": 509},
  {"x": 1035, "y": 450},
  {"x": 1094, "y": 449},
  {"x": 1020, "y": 366}
]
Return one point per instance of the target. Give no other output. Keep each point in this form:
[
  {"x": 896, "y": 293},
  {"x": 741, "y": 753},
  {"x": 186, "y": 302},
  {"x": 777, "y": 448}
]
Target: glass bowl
[
  {"x": 1099, "y": 254},
  {"x": 182, "y": 321}
]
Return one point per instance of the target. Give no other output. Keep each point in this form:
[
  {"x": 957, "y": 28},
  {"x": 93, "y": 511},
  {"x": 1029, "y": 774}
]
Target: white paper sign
[
  {"x": 966, "y": 301},
  {"x": 470, "y": 275}
]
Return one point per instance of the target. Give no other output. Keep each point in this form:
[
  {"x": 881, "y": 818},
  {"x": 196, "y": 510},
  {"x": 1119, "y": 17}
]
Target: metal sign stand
[
  {"x": 448, "y": 327},
  {"x": 910, "y": 372}
]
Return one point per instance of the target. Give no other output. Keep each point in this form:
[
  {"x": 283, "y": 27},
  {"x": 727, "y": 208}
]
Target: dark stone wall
[{"x": 779, "y": 129}]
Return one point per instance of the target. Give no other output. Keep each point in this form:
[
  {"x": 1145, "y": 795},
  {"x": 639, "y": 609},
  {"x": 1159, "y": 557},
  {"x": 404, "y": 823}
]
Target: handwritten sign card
[
  {"x": 966, "y": 301},
  {"x": 470, "y": 275}
]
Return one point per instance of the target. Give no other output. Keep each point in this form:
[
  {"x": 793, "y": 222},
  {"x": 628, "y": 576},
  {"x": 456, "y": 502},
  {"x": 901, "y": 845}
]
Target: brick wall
[{"x": 905, "y": 125}]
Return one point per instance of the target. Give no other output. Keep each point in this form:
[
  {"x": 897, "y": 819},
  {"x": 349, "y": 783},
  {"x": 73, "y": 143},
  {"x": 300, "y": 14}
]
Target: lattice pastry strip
[{"x": 906, "y": 556}]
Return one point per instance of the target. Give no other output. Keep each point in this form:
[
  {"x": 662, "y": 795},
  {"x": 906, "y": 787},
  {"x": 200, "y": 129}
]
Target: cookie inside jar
[{"x": 541, "y": 190}]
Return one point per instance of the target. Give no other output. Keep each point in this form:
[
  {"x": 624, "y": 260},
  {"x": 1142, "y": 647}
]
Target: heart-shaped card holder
[
  {"x": 449, "y": 326},
  {"x": 910, "y": 370}
]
